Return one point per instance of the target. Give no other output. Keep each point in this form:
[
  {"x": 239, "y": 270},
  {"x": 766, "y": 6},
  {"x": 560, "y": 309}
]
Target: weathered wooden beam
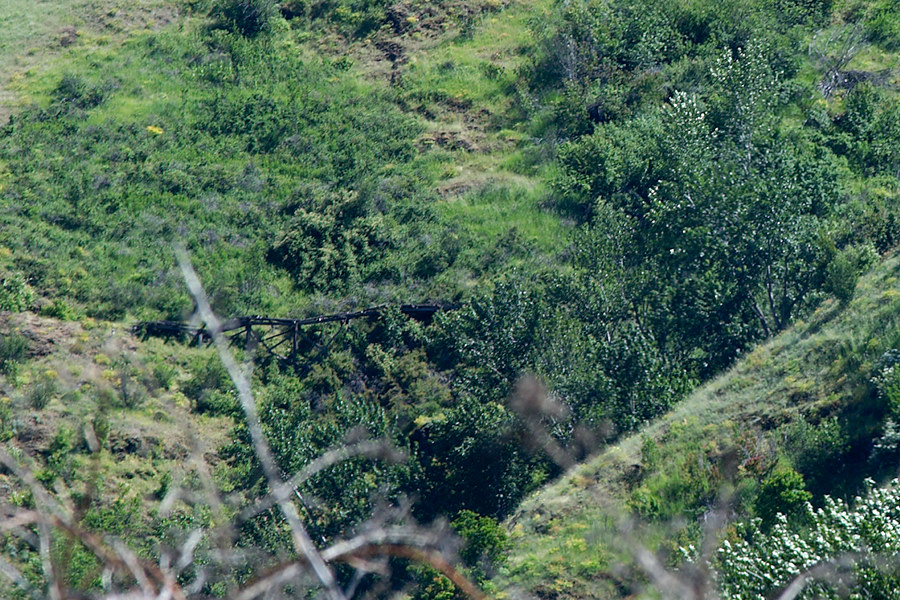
[{"x": 287, "y": 329}]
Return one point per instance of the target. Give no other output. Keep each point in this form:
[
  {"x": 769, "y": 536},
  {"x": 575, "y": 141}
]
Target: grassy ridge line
[{"x": 564, "y": 536}]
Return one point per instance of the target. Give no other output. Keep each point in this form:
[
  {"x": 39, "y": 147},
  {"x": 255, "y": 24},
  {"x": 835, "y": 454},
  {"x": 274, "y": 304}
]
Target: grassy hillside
[
  {"x": 623, "y": 200},
  {"x": 37, "y": 33},
  {"x": 803, "y": 400},
  {"x": 72, "y": 377},
  {"x": 151, "y": 114}
]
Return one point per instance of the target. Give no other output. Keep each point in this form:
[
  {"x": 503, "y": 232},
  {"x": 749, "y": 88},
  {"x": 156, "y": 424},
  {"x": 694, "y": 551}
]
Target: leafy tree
[
  {"x": 710, "y": 215},
  {"x": 471, "y": 447}
]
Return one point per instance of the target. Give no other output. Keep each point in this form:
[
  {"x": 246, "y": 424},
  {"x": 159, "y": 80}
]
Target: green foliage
[
  {"x": 816, "y": 451},
  {"x": 782, "y": 492},
  {"x": 469, "y": 447},
  {"x": 433, "y": 586},
  {"x": 485, "y": 539},
  {"x": 699, "y": 463},
  {"x": 74, "y": 92},
  {"x": 248, "y": 18},
  {"x": 13, "y": 349},
  {"x": 336, "y": 499},
  {"x": 42, "y": 391},
  {"x": 210, "y": 388},
  {"x": 15, "y": 293},
  {"x": 59, "y": 459},
  {"x": 866, "y": 131},
  {"x": 887, "y": 381},
  {"x": 332, "y": 243},
  {"x": 59, "y": 310},
  {"x": 841, "y": 277},
  {"x": 607, "y": 372},
  {"x": 120, "y": 517},
  {"x": 713, "y": 197},
  {"x": 714, "y": 212},
  {"x": 164, "y": 374},
  {"x": 760, "y": 563},
  {"x": 883, "y": 25},
  {"x": 222, "y": 153}
]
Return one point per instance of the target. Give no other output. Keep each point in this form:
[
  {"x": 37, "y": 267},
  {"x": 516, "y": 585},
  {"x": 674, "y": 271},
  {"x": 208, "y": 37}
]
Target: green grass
[
  {"x": 488, "y": 190},
  {"x": 463, "y": 86},
  {"x": 478, "y": 69},
  {"x": 30, "y": 39},
  {"x": 492, "y": 211},
  {"x": 817, "y": 369}
]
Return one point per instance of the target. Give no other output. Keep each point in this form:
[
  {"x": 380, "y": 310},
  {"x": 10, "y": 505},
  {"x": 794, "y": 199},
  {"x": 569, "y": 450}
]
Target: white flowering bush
[{"x": 843, "y": 552}]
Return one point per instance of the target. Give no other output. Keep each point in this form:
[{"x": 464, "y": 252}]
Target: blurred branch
[
  {"x": 302, "y": 542},
  {"x": 399, "y": 543},
  {"x": 375, "y": 449}
]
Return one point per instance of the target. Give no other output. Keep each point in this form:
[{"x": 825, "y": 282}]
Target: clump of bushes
[
  {"x": 13, "y": 348},
  {"x": 15, "y": 293},
  {"x": 485, "y": 539},
  {"x": 76, "y": 92},
  {"x": 42, "y": 391},
  {"x": 856, "y": 542},
  {"x": 248, "y": 18}
]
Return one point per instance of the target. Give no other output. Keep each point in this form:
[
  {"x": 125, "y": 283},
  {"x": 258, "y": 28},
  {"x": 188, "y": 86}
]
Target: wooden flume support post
[{"x": 295, "y": 338}]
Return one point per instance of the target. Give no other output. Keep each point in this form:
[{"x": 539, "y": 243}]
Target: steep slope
[
  {"x": 570, "y": 539},
  {"x": 77, "y": 381},
  {"x": 314, "y": 167},
  {"x": 38, "y": 33}
]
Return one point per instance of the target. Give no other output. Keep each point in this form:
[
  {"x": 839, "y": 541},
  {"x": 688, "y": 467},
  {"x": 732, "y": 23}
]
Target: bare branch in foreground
[
  {"x": 375, "y": 449},
  {"x": 302, "y": 542},
  {"x": 354, "y": 551},
  {"x": 208, "y": 554}
]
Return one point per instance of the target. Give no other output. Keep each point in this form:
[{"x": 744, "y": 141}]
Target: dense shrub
[
  {"x": 782, "y": 492},
  {"x": 15, "y": 293},
  {"x": 249, "y": 18},
  {"x": 337, "y": 498},
  {"x": 209, "y": 388},
  {"x": 471, "y": 445},
  {"x": 485, "y": 538},
  {"x": 13, "y": 348},
  {"x": 866, "y": 131},
  {"x": 333, "y": 244},
  {"x": 883, "y": 24},
  {"x": 42, "y": 391},
  {"x": 815, "y": 451}
]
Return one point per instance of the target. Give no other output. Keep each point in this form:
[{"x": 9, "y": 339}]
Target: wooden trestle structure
[{"x": 280, "y": 338}]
